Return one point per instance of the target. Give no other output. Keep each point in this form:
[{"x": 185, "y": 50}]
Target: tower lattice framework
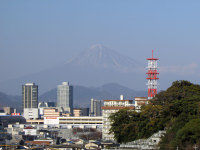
[{"x": 152, "y": 76}]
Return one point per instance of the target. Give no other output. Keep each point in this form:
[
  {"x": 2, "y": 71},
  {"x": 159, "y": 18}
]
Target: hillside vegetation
[{"x": 176, "y": 110}]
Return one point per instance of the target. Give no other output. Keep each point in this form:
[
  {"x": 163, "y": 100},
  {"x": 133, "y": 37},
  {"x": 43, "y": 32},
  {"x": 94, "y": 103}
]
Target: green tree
[{"x": 177, "y": 110}]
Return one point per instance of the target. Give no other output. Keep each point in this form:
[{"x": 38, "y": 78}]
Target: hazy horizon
[{"x": 38, "y": 35}]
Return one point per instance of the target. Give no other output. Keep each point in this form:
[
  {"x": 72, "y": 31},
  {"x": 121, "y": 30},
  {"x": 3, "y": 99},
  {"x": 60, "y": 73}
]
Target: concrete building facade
[
  {"x": 30, "y": 100},
  {"x": 43, "y": 105},
  {"x": 95, "y": 107},
  {"x": 65, "y": 97},
  {"x": 31, "y": 113},
  {"x": 51, "y": 116},
  {"x": 77, "y": 112},
  {"x": 112, "y": 106}
]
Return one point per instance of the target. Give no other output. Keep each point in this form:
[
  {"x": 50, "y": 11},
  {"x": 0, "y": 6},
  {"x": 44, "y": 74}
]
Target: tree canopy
[{"x": 176, "y": 110}]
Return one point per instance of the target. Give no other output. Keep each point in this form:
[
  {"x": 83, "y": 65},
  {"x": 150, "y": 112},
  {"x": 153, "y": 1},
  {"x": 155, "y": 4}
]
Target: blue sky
[{"x": 36, "y": 35}]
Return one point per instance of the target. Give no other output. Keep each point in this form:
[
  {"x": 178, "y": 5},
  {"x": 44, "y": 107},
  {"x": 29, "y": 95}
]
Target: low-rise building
[
  {"x": 81, "y": 120},
  {"x": 30, "y": 131},
  {"x": 51, "y": 116},
  {"x": 44, "y": 105},
  {"x": 81, "y": 112},
  {"x": 77, "y": 112},
  {"x": 69, "y": 122},
  {"x": 9, "y": 110},
  {"x": 31, "y": 113},
  {"x": 51, "y": 112}
]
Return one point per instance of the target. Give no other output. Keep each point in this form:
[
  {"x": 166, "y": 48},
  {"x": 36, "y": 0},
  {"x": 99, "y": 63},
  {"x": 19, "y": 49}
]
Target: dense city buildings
[
  {"x": 112, "y": 106},
  {"x": 30, "y": 100},
  {"x": 45, "y": 122},
  {"x": 65, "y": 97},
  {"x": 95, "y": 107}
]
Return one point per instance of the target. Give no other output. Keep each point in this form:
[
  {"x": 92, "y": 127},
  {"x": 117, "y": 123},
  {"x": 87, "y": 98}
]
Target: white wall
[{"x": 30, "y": 113}]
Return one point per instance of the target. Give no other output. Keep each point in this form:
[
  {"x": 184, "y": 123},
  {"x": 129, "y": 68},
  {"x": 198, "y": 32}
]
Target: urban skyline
[{"x": 104, "y": 49}]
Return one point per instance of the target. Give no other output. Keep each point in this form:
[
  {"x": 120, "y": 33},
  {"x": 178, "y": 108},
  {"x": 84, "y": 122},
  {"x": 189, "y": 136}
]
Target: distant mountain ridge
[
  {"x": 10, "y": 101},
  {"x": 95, "y": 66},
  {"x": 82, "y": 95}
]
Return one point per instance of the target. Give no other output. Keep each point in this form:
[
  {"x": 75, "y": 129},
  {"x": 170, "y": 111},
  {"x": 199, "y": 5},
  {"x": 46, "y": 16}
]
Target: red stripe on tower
[{"x": 152, "y": 76}]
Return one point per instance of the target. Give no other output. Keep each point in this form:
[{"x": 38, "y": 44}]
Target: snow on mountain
[
  {"x": 100, "y": 56},
  {"x": 95, "y": 66}
]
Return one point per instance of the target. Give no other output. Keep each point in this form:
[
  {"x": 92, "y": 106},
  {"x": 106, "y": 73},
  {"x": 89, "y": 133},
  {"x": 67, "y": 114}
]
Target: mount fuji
[{"x": 96, "y": 66}]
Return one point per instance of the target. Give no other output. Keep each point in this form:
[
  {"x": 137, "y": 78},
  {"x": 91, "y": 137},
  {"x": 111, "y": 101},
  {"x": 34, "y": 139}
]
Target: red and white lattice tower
[{"x": 152, "y": 76}]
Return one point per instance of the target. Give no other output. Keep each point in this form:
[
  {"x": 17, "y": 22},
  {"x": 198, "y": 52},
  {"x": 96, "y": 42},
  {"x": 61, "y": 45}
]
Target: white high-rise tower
[{"x": 65, "y": 97}]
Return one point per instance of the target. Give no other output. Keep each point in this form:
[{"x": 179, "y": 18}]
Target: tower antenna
[{"x": 152, "y": 76}]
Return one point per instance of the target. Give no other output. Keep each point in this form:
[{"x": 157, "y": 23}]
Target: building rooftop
[
  {"x": 117, "y": 107},
  {"x": 30, "y": 84},
  {"x": 117, "y": 100}
]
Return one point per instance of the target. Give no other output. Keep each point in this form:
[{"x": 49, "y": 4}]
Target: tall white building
[
  {"x": 65, "y": 97},
  {"x": 30, "y": 100},
  {"x": 112, "y": 106},
  {"x": 95, "y": 107}
]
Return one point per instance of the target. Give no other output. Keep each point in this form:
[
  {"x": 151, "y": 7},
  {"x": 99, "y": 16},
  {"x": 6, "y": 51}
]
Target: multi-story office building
[
  {"x": 65, "y": 97},
  {"x": 30, "y": 100},
  {"x": 95, "y": 107},
  {"x": 30, "y": 95},
  {"x": 112, "y": 106}
]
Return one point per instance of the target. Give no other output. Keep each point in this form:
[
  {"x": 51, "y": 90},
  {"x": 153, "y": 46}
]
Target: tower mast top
[{"x": 152, "y": 57}]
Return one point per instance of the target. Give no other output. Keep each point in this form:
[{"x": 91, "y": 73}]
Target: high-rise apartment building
[
  {"x": 65, "y": 97},
  {"x": 30, "y": 100},
  {"x": 30, "y": 95},
  {"x": 110, "y": 107},
  {"x": 95, "y": 107}
]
